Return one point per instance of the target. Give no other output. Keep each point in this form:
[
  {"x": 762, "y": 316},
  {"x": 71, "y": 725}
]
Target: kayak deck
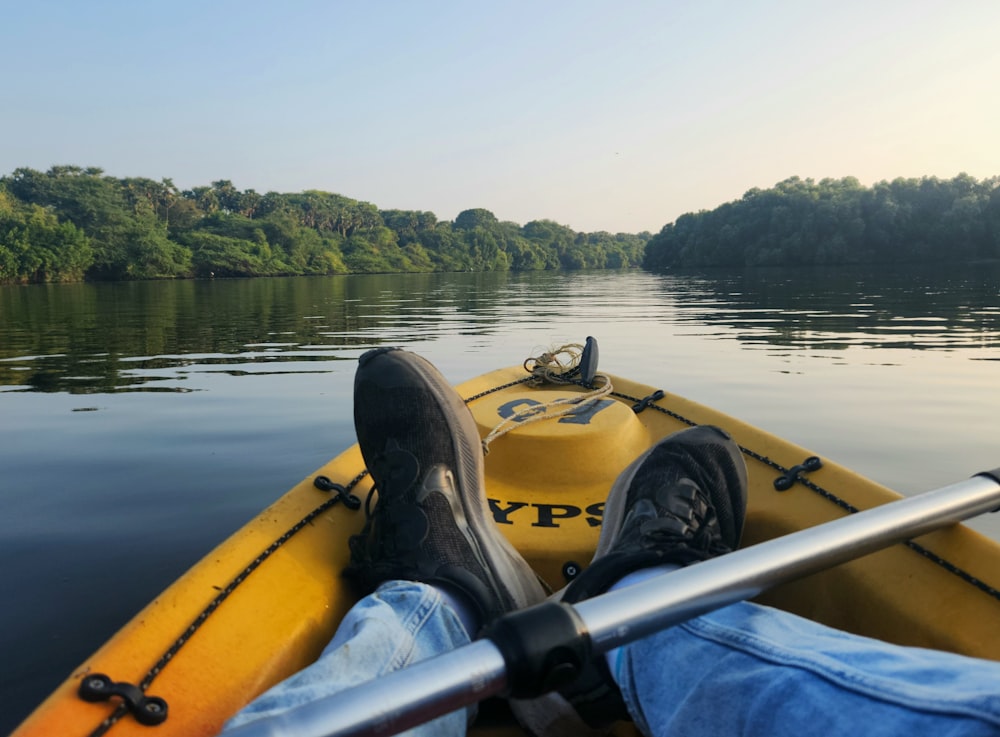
[{"x": 266, "y": 601}]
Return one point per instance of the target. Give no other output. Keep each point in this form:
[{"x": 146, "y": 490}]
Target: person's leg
[
  {"x": 750, "y": 669},
  {"x": 682, "y": 501},
  {"x": 401, "y": 623},
  {"x": 431, "y": 524}
]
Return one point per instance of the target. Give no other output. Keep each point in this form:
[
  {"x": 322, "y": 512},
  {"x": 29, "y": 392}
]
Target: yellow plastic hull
[{"x": 263, "y": 604}]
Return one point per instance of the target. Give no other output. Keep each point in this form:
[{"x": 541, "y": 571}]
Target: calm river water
[{"x": 140, "y": 423}]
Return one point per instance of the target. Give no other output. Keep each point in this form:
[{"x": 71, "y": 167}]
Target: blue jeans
[
  {"x": 745, "y": 669},
  {"x": 399, "y": 624}
]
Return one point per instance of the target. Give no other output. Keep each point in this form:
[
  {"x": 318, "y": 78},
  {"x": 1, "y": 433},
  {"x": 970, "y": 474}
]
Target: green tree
[
  {"x": 36, "y": 247},
  {"x": 476, "y": 218},
  {"x": 836, "y": 221},
  {"x": 85, "y": 198},
  {"x": 408, "y": 224},
  {"x": 219, "y": 255},
  {"x": 139, "y": 228},
  {"x": 150, "y": 254},
  {"x": 447, "y": 250}
]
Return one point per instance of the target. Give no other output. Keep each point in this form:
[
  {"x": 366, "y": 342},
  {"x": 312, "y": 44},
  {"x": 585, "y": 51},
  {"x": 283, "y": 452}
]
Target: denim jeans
[
  {"x": 399, "y": 624},
  {"x": 754, "y": 670},
  {"x": 745, "y": 669}
]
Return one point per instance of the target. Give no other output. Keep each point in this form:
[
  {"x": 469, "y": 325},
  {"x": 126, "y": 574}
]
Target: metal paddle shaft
[{"x": 439, "y": 685}]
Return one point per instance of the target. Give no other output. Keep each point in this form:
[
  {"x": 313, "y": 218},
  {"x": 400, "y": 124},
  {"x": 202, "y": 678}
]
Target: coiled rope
[{"x": 556, "y": 366}]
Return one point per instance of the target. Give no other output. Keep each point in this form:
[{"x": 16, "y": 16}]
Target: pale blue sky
[{"x": 601, "y": 115}]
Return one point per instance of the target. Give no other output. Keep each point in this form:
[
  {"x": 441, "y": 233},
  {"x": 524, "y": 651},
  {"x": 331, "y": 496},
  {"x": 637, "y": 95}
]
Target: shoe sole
[{"x": 509, "y": 570}]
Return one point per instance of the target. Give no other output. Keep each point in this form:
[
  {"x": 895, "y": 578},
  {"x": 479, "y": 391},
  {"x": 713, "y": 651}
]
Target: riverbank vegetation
[
  {"x": 838, "y": 221},
  {"x": 72, "y": 223}
]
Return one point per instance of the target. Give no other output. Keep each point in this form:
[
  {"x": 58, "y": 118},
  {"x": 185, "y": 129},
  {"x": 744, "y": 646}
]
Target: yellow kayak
[{"x": 264, "y": 603}]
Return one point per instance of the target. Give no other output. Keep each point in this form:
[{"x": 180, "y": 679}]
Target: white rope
[{"x": 556, "y": 367}]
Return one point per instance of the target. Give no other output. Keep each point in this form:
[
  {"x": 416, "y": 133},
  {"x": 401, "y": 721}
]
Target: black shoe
[
  {"x": 431, "y": 522},
  {"x": 682, "y": 501}
]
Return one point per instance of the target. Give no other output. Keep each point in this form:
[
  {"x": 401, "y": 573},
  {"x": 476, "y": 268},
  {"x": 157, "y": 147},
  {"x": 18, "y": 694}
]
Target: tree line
[
  {"x": 838, "y": 221},
  {"x": 72, "y": 223}
]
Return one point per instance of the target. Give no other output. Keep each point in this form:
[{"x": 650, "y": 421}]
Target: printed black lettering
[
  {"x": 500, "y": 516},
  {"x": 582, "y": 415},
  {"x": 511, "y": 408},
  {"x": 597, "y": 514},
  {"x": 548, "y": 513},
  {"x": 579, "y": 416}
]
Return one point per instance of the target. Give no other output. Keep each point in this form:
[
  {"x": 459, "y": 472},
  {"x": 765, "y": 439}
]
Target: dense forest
[
  {"x": 838, "y": 221},
  {"x": 72, "y": 223}
]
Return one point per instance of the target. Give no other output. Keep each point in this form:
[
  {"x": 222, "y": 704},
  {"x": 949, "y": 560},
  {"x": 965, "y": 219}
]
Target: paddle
[{"x": 439, "y": 685}]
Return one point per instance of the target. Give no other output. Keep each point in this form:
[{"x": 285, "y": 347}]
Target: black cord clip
[
  {"x": 785, "y": 481},
  {"x": 646, "y": 401},
  {"x": 147, "y": 710},
  {"x": 324, "y": 484}
]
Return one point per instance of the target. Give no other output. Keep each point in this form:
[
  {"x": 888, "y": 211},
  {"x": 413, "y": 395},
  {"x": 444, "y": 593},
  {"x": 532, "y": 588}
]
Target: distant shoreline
[
  {"x": 73, "y": 224},
  {"x": 837, "y": 221}
]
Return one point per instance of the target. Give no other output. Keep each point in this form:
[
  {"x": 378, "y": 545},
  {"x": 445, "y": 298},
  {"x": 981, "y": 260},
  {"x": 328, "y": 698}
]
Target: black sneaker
[
  {"x": 431, "y": 522},
  {"x": 682, "y": 501}
]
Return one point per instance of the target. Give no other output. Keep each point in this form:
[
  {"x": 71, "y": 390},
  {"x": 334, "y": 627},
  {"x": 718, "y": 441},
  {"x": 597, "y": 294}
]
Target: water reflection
[
  {"x": 155, "y": 336},
  {"x": 836, "y": 309},
  {"x": 88, "y": 338}
]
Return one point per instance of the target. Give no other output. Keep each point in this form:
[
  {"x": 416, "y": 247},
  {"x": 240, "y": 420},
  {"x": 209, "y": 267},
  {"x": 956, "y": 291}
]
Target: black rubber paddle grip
[
  {"x": 545, "y": 647},
  {"x": 994, "y": 474}
]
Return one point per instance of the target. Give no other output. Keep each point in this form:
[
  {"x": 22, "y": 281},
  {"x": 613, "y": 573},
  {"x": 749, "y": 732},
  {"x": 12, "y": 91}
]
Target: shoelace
[
  {"x": 705, "y": 540},
  {"x": 697, "y": 531},
  {"x": 393, "y": 465},
  {"x": 357, "y": 543}
]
